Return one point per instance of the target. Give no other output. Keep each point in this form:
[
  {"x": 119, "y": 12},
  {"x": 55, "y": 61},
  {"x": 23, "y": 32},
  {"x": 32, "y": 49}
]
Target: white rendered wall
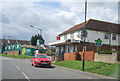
[{"x": 94, "y": 35}]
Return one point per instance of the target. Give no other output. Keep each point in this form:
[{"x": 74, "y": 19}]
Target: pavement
[{"x": 21, "y": 69}]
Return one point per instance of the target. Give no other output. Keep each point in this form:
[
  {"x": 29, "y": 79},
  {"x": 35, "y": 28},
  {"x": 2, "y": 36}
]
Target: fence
[{"x": 89, "y": 56}]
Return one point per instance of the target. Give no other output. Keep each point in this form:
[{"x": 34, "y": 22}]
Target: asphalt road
[{"x": 22, "y": 69}]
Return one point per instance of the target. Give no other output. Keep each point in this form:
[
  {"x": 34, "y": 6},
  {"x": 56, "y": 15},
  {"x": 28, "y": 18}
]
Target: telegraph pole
[{"x": 84, "y": 35}]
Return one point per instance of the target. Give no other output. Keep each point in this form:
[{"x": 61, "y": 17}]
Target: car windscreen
[{"x": 41, "y": 56}]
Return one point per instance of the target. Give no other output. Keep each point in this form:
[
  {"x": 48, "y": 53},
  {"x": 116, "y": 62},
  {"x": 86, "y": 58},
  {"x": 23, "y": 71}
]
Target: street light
[{"x": 37, "y": 28}]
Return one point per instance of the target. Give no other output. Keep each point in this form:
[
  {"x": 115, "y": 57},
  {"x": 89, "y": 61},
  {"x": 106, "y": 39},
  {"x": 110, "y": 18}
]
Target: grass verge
[
  {"x": 17, "y": 56},
  {"x": 107, "y": 69}
]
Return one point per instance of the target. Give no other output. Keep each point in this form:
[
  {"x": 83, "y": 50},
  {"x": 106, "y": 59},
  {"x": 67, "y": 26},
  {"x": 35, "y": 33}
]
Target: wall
[
  {"x": 94, "y": 35},
  {"x": 110, "y": 58},
  {"x": 89, "y": 56},
  {"x": 11, "y": 52}
]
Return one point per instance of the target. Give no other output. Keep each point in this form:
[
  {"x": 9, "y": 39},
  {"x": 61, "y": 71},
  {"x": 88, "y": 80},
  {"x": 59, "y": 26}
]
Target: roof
[
  {"x": 6, "y": 41},
  {"x": 29, "y": 46},
  {"x": 97, "y": 25}
]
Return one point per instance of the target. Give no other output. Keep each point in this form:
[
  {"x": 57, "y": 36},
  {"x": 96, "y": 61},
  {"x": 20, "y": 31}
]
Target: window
[
  {"x": 13, "y": 47},
  {"x": 76, "y": 48},
  {"x": 62, "y": 48},
  {"x": 113, "y": 36},
  {"x": 65, "y": 37},
  {"x": 107, "y": 35},
  {"x": 6, "y": 48},
  {"x": 71, "y": 48},
  {"x": 17, "y": 46},
  {"x": 66, "y": 48},
  {"x": 79, "y": 33},
  {"x": 72, "y": 35}
]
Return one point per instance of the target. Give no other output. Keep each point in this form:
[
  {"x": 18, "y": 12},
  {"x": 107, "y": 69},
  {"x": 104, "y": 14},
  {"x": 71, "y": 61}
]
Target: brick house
[{"x": 109, "y": 33}]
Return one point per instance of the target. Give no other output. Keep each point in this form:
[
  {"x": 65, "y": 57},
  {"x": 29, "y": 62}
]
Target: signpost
[
  {"x": 84, "y": 35},
  {"x": 98, "y": 43}
]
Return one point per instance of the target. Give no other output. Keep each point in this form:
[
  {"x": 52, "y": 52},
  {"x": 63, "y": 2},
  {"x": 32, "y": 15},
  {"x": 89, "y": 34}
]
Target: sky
[{"x": 52, "y": 17}]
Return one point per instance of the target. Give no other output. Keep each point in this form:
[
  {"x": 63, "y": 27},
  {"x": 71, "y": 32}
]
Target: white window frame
[
  {"x": 106, "y": 36},
  {"x": 66, "y": 49},
  {"x": 71, "y": 48},
  {"x": 76, "y": 48},
  {"x": 114, "y": 36},
  {"x": 65, "y": 37},
  {"x": 72, "y": 35}
]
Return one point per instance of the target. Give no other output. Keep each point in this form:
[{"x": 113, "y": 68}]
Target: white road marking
[
  {"x": 23, "y": 74},
  {"x": 18, "y": 68}
]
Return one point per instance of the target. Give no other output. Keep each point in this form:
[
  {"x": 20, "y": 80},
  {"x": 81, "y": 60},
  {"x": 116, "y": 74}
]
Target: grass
[
  {"x": 17, "y": 56},
  {"x": 107, "y": 69}
]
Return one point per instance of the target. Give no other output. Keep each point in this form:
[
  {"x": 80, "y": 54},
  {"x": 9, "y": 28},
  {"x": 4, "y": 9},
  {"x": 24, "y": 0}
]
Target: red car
[{"x": 41, "y": 59}]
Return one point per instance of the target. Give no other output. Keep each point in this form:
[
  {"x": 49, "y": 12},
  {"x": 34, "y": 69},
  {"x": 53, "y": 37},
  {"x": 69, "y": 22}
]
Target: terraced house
[{"x": 71, "y": 40}]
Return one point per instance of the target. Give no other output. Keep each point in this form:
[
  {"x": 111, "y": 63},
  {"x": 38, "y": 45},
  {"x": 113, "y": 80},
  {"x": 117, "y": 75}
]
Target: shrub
[{"x": 105, "y": 52}]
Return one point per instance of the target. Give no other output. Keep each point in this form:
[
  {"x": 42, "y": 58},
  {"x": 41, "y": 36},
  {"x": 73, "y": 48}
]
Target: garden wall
[
  {"x": 89, "y": 56},
  {"x": 110, "y": 58},
  {"x": 11, "y": 52}
]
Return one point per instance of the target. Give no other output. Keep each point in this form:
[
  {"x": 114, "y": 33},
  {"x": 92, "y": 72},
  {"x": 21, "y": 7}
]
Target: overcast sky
[{"x": 52, "y": 17}]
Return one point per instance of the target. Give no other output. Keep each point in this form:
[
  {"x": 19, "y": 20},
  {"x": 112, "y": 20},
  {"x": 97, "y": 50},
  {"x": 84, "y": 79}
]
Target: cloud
[
  {"x": 52, "y": 17},
  {"x": 17, "y": 18}
]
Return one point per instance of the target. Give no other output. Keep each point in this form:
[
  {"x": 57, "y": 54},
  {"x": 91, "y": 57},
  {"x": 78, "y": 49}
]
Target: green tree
[
  {"x": 48, "y": 52},
  {"x": 35, "y": 38}
]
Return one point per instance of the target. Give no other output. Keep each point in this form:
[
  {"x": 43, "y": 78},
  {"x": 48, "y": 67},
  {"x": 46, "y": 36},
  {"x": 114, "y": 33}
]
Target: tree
[
  {"x": 48, "y": 52},
  {"x": 35, "y": 38}
]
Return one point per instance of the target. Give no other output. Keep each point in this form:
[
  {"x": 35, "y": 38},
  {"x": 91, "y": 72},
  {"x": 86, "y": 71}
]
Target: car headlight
[{"x": 37, "y": 60}]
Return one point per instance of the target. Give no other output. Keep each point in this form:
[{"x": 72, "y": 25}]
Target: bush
[
  {"x": 18, "y": 56},
  {"x": 105, "y": 52}
]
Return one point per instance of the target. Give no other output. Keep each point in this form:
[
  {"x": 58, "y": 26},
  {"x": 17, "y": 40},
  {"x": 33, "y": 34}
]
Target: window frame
[
  {"x": 106, "y": 36},
  {"x": 65, "y": 37},
  {"x": 66, "y": 49},
  {"x": 114, "y": 36},
  {"x": 72, "y": 35},
  {"x": 71, "y": 48}
]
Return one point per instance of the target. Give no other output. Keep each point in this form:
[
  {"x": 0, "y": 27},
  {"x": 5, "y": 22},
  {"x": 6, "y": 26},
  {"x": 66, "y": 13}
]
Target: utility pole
[{"x": 84, "y": 35}]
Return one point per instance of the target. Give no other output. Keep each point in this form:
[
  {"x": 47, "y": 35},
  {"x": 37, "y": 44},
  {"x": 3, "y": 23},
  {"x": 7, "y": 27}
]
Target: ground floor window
[
  {"x": 66, "y": 48},
  {"x": 76, "y": 48},
  {"x": 71, "y": 48}
]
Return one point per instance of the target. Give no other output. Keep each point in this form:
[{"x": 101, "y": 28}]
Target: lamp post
[{"x": 38, "y": 29}]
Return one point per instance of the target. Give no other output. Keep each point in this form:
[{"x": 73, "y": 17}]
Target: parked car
[{"x": 41, "y": 59}]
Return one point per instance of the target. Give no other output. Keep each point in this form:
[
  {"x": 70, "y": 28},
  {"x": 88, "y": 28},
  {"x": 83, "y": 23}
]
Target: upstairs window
[
  {"x": 113, "y": 36},
  {"x": 65, "y": 37},
  {"x": 72, "y": 35},
  {"x": 107, "y": 36}
]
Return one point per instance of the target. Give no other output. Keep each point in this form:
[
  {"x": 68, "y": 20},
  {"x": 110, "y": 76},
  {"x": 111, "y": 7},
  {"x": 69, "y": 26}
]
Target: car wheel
[{"x": 34, "y": 65}]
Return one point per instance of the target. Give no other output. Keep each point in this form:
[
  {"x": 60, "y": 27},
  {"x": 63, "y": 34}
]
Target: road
[{"x": 22, "y": 69}]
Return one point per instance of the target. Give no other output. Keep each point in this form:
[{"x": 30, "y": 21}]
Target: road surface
[{"x": 22, "y": 69}]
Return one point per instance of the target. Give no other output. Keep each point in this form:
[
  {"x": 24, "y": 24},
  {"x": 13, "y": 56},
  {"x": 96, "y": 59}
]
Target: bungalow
[{"x": 71, "y": 40}]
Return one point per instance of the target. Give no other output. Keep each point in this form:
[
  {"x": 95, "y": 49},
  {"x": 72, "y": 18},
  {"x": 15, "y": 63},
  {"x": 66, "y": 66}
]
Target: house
[
  {"x": 5, "y": 42},
  {"x": 71, "y": 40}
]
